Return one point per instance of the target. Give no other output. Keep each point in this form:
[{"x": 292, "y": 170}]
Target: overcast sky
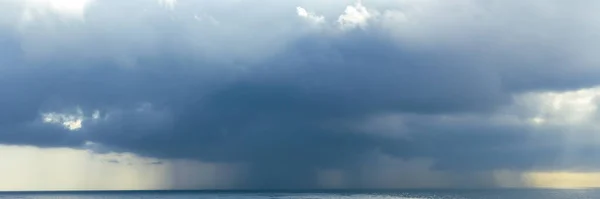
[{"x": 185, "y": 94}]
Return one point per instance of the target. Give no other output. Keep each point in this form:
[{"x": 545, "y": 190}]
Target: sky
[{"x": 299, "y": 94}]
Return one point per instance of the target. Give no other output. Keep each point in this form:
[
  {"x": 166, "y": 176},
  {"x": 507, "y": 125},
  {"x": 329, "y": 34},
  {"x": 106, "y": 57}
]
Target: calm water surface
[{"x": 432, "y": 194}]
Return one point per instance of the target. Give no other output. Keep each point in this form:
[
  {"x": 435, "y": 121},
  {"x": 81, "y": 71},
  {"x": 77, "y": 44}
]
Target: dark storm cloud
[
  {"x": 291, "y": 114},
  {"x": 281, "y": 118}
]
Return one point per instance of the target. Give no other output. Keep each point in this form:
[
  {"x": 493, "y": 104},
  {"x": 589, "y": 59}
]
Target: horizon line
[{"x": 317, "y": 190}]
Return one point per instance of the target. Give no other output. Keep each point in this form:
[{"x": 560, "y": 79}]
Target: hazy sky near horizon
[{"x": 160, "y": 94}]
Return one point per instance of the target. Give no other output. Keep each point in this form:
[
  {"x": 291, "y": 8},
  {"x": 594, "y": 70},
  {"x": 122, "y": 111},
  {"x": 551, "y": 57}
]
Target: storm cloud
[{"x": 288, "y": 89}]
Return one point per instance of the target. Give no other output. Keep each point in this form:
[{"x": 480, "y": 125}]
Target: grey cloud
[
  {"x": 37, "y": 134},
  {"x": 284, "y": 113}
]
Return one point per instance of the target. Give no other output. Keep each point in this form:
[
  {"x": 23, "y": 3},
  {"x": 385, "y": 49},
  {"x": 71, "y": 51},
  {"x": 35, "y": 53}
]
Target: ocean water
[{"x": 421, "y": 194}]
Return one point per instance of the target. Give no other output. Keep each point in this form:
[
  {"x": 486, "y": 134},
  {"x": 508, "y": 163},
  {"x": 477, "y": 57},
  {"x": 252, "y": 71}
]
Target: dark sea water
[{"x": 420, "y": 194}]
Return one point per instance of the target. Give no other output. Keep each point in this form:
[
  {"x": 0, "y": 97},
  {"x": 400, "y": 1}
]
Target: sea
[{"x": 396, "y": 194}]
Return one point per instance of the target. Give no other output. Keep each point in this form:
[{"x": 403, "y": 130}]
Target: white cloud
[
  {"x": 312, "y": 17},
  {"x": 355, "y": 16},
  {"x": 71, "y": 121},
  {"x": 571, "y": 110},
  {"x": 574, "y": 113},
  {"x": 568, "y": 108},
  {"x": 72, "y": 9}
]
